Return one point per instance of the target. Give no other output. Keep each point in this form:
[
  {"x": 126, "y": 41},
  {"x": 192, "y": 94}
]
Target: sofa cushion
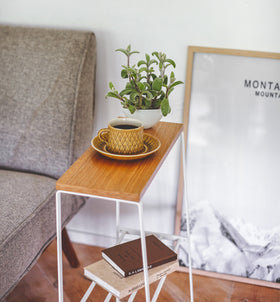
[
  {"x": 27, "y": 222},
  {"x": 46, "y": 98}
]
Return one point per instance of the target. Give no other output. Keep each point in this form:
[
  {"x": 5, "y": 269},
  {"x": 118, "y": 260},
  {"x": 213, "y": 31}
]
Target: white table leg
[
  {"x": 88, "y": 292},
  {"x": 155, "y": 296},
  {"x": 59, "y": 246},
  {"x": 144, "y": 252},
  {"x": 186, "y": 211},
  {"x": 132, "y": 296},
  {"x": 117, "y": 220},
  {"x": 108, "y": 297}
]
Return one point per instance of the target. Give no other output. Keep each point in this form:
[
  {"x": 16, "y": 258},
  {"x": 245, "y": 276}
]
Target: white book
[{"x": 111, "y": 280}]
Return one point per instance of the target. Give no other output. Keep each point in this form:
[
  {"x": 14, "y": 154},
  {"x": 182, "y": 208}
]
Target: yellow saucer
[{"x": 151, "y": 144}]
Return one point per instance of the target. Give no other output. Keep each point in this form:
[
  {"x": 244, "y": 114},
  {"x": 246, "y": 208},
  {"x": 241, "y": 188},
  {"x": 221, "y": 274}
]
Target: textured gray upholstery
[
  {"x": 46, "y": 81},
  {"x": 27, "y": 221},
  {"x": 46, "y": 118}
]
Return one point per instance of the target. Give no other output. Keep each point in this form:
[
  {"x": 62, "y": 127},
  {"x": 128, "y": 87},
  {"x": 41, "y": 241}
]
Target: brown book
[
  {"x": 126, "y": 258},
  {"x": 107, "y": 277}
]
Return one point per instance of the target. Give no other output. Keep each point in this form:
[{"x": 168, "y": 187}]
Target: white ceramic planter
[{"x": 149, "y": 117}]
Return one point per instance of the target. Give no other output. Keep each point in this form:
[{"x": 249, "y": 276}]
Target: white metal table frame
[{"x": 141, "y": 229}]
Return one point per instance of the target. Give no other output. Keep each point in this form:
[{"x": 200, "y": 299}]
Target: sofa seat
[{"x": 27, "y": 203}]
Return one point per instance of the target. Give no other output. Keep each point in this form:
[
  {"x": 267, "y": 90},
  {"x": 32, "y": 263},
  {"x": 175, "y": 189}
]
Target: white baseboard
[{"x": 89, "y": 238}]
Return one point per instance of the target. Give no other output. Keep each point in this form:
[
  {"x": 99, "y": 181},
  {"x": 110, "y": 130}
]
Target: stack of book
[{"x": 121, "y": 271}]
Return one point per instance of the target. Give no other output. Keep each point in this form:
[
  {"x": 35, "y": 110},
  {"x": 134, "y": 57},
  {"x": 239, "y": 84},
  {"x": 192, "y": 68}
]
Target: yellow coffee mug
[{"x": 123, "y": 136}]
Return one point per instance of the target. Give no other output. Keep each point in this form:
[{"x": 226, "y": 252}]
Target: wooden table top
[{"x": 95, "y": 174}]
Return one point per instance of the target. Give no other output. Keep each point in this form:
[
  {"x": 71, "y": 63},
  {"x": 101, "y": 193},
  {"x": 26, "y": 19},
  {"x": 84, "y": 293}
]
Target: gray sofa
[{"x": 46, "y": 117}]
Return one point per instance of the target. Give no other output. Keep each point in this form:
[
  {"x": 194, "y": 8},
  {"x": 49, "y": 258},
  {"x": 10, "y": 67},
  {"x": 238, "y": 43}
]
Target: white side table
[{"x": 94, "y": 175}]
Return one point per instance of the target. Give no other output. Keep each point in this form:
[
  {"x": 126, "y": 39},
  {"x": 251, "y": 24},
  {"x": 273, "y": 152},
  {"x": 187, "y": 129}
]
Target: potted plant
[{"x": 146, "y": 91}]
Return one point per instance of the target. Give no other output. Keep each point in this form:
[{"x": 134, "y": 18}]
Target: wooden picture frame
[{"x": 234, "y": 79}]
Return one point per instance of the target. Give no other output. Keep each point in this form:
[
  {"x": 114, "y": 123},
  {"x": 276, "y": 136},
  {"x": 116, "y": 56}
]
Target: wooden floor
[{"x": 40, "y": 284}]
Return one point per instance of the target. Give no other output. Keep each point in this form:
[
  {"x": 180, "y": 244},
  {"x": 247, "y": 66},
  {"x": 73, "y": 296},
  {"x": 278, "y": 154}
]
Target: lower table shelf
[{"x": 107, "y": 277}]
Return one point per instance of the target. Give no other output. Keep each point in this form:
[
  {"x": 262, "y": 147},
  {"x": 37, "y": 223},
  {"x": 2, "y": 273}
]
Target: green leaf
[
  {"x": 125, "y": 101},
  {"x": 134, "y": 51},
  {"x": 143, "y": 69},
  {"x": 171, "y": 62},
  {"x": 148, "y": 95},
  {"x": 129, "y": 85},
  {"x": 124, "y": 74},
  {"x": 142, "y": 62},
  {"x": 172, "y": 77},
  {"x": 113, "y": 95},
  {"x": 127, "y": 51},
  {"x": 123, "y": 51},
  {"x": 169, "y": 91},
  {"x": 148, "y": 103},
  {"x": 157, "y": 84},
  {"x": 156, "y": 103},
  {"x": 111, "y": 86},
  {"x": 155, "y": 53},
  {"x": 153, "y": 62},
  {"x": 125, "y": 92},
  {"x": 147, "y": 86},
  {"x": 133, "y": 96},
  {"x": 141, "y": 86},
  {"x": 131, "y": 108},
  {"x": 165, "y": 108},
  {"x": 147, "y": 58},
  {"x": 171, "y": 87}
]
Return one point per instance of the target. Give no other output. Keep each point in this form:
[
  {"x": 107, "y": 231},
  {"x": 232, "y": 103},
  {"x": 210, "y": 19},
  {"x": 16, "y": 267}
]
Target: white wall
[{"x": 170, "y": 26}]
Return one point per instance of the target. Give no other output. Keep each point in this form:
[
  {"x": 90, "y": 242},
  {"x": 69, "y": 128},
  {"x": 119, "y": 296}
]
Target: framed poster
[{"x": 232, "y": 113}]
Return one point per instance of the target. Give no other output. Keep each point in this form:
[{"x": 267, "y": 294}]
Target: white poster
[{"x": 233, "y": 164}]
